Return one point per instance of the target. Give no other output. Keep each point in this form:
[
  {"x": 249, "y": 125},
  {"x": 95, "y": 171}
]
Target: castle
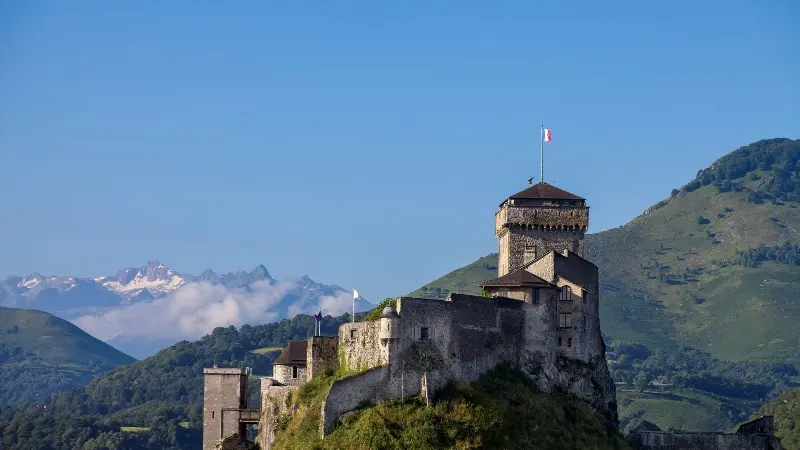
[{"x": 540, "y": 314}]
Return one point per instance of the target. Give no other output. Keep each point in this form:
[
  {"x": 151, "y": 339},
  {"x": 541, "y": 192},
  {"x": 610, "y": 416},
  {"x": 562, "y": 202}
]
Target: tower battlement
[{"x": 537, "y": 220}]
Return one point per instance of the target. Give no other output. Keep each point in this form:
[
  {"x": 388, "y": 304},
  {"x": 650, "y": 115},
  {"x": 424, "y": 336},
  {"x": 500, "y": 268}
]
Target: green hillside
[
  {"x": 715, "y": 266},
  {"x": 719, "y": 254},
  {"x": 502, "y": 410},
  {"x": 41, "y": 354}
]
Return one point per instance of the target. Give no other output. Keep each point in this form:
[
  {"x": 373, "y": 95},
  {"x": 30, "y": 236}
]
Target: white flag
[{"x": 355, "y": 294}]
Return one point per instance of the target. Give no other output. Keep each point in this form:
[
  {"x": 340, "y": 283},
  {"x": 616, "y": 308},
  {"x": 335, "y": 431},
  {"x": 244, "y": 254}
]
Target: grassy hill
[
  {"x": 41, "y": 354},
  {"x": 719, "y": 254},
  {"x": 502, "y": 410},
  {"x": 715, "y": 265}
]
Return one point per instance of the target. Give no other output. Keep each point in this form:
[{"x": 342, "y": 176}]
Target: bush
[{"x": 375, "y": 314}]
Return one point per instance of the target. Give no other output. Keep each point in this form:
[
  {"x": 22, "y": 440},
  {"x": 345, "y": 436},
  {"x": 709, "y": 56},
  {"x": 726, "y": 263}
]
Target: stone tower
[
  {"x": 224, "y": 399},
  {"x": 532, "y": 222}
]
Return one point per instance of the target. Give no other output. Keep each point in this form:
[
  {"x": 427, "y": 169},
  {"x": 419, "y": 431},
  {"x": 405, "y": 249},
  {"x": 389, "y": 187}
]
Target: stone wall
[
  {"x": 702, "y": 441},
  {"x": 223, "y": 389},
  {"x": 283, "y": 374},
  {"x": 322, "y": 355},
  {"x": 466, "y": 337},
  {"x": 361, "y": 350},
  {"x": 353, "y": 392},
  {"x": 275, "y": 403}
]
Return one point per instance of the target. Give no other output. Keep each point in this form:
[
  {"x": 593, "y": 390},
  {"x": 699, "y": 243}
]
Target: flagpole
[{"x": 541, "y": 155}]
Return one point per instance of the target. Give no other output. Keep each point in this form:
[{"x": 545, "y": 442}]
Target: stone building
[
  {"x": 290, "y": 367},
  {"x": 225, "y": 410},
  {"x": 757, "y": 434},
  {"x": 541, "y": 315}
]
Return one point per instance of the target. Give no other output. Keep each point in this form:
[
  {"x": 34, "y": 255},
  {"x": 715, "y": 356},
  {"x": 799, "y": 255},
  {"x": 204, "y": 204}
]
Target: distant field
[
  {"x": 684, "y": 409},
  {"x": 265, "y": 350}
]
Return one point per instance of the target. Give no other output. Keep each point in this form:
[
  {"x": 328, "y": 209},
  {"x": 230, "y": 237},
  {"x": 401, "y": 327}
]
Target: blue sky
[{"x": 366, "y": 144}]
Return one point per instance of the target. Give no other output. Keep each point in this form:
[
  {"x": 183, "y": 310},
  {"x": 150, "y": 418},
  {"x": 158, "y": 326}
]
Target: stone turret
[
  {"x": 389, "y": 334},
  {"x": 541, "y": 218}
]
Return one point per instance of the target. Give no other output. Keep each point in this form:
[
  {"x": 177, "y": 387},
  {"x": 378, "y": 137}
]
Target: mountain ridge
[{"x": 41, "y": 354}]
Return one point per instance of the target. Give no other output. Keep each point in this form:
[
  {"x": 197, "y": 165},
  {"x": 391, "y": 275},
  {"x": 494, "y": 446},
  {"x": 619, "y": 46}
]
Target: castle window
[
  {"x": 559, "y": 341},
  {"x": 212, "y": 414},
  {"x": 569, "y": 342},
  {"x": 353, "y": 333},
  {"x": 583, "y": 294},
  {"x": 294, "y": 371},
  {"x": 423, "y": 333},
  {"x": 565, "y": 295},
  {"x": 535, "y": 297},
  {"x": 565, "y": 320}
]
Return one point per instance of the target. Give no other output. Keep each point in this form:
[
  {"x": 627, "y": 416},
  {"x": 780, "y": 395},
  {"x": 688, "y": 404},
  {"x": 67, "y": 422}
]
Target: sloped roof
[
  {"x": 519, "y": 277},
  {"x": 294, "y": 353},
  {"x": 545, "y": 191}
]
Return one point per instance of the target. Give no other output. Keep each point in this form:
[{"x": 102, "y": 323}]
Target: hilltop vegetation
[
  {"x": 786, "y": 412},
  {"x": 41, "y": 354},
  {"x": 160, "y": 397},
  {"x": 502, "y": 410}
]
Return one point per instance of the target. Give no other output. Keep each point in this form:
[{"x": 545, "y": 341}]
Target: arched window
[
  {"x": 559, "y": 341},
  {"x": 565, "y": 294},
  {"x": 294, "y": 371}
]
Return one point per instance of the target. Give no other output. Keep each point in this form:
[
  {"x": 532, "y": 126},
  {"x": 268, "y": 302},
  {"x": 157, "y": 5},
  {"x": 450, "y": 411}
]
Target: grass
[
  {"x": 133, "y": 429},
  {"x": 265, "y": 350},
  {"x": 502, "y": 410}
]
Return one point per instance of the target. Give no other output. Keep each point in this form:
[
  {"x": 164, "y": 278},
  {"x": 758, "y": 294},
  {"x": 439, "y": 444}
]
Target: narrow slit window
[
  {"x": 559, "y": 341},
  {"x": 569, "y": 342},
  {"x": 294, "y": 371}
]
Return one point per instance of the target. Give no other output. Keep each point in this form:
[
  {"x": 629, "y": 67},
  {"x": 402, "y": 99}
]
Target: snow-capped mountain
[
  {"x": 142, "y": 309},
  {"x": 69, "y": 296}
]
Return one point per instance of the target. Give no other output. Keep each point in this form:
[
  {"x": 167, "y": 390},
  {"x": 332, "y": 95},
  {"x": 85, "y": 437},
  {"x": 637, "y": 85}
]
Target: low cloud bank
[{"x": 197, "y": 308}]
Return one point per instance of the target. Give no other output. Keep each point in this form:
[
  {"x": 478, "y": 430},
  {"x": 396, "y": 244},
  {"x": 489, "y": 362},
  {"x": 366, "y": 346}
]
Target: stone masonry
[
  {"x": 224, "y": 395},
  {"x": 540, "y": 315}
]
